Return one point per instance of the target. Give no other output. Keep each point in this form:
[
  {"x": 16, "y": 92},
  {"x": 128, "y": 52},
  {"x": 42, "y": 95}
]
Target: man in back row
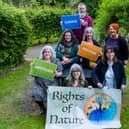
[{"x": 86, "y": 21}]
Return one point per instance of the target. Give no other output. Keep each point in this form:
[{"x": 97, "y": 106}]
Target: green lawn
[{"x": 13, "y": 84}]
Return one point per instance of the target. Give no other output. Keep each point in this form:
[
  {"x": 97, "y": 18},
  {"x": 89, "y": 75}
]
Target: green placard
[{"x": 43, "y": 69}]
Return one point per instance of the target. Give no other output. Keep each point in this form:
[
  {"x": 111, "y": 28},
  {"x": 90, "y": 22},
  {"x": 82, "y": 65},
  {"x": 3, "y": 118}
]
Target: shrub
[
  {"x": 46, "y": 21},
  {"x": 53, "y": 39},
  {"x": 14, "y": 36},
  {"x": 109, "y": 12},
  {"x": 42, "y": 40},
  {"x": 35, "y": 42},
  {"x": 92, "y": 6}
]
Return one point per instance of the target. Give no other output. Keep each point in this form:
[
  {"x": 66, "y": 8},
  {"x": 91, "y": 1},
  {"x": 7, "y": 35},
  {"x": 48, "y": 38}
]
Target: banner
[
  {"x": 70, "y": 22},
  {"x": 43, "y": 69},
  {"x": 89, "y": 51},
  {"x": 83, "y": 108}
]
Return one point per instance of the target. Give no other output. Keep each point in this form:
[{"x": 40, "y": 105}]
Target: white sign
[{"x": 83, "y": 108}]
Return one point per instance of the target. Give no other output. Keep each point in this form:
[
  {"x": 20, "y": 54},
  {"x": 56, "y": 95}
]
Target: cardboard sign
[
  {"x": 43, "y": 69},
  {"x": 89, "y": 51},
  {"x": 70, "y": 22},
  {"x": 83, "y": 108}
]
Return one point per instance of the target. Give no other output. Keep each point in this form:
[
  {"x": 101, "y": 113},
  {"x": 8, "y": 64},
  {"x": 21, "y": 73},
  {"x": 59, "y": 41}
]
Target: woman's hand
[
  {"x": 83, "y": 22},
  {"x": 66, "y": 60},
  {"x": 123, "y": 87},
  {"x": 81, "y": 59},
  {"x": 58, "y": 74},
  {"x": 101, "y": 53},
  {"x": 100, "y": 85},
  {"x": 90, "y": 86}
]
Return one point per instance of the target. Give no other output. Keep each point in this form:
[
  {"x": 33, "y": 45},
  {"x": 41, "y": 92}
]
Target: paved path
[{"x": 34, "y": 52}]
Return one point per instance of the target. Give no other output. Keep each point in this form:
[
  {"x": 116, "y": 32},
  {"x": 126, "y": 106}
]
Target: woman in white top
[{"x": 110, "y": 71}]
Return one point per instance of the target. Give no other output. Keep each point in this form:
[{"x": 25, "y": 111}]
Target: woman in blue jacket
[{"x": 110, "y": 71}]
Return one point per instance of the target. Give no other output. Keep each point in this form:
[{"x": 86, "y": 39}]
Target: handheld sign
[
  {"x": 43, "y": 69},
  {"x": 89, "y": 51},
  {"x": 70, "y": 22},
  {"x": 83, "y": 108}
]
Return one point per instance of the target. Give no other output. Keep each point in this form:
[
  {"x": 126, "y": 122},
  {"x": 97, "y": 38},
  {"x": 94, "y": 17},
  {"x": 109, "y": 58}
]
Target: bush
[
  {"x": 109, "y": 12},
  {"x": 42, "y": 40},
  {"x": 53, "y": 39},
  {"x": 14, "y": 36},
  {"x": 92, "y": 6},
  {"x": 35, "y": 42},
  {"x": 46, "y": 21}
]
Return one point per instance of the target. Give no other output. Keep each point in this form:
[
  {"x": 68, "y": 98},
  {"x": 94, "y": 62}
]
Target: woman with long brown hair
[
  {"x": 110, "y": 71},
  {"x": 66, "y": 51}
]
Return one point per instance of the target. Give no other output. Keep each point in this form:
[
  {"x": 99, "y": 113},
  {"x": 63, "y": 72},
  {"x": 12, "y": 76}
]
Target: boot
[{"x": 42, "y": 107}]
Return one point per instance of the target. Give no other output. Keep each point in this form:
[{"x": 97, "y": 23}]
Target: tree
[{"x": 109, "y": 12}]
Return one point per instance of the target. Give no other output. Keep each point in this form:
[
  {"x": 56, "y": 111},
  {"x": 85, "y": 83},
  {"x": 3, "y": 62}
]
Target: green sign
[{"x": 43, "y": 69}]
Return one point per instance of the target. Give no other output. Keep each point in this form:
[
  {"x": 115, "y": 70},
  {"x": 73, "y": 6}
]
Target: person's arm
[
  {"x": 75, "y": 57},
  {"x": 87, "y": 22},
  {"x": 125, "y": 62},
  {"x": 59, "y": 54},
  {"x": 84, "y": 22},
  {"x": 59, "y": 66},
  {"x": 95, "y": 75},
  {"x": 123, "y": 49},
  {"x": 58, "y": 74},
  {"x": 90, "y": 22},
  {"x": 123, "y": 77},
  {"x": 84, "y": 36}
]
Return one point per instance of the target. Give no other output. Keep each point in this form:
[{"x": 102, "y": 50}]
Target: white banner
[{"x": 83, "y": 108}]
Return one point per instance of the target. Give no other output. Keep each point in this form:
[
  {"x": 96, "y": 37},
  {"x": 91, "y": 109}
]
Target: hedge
[
  {"x": 46, "y": 23},
  {"x": 25, "y": 26},
  {"x": 14, "y": 36}
]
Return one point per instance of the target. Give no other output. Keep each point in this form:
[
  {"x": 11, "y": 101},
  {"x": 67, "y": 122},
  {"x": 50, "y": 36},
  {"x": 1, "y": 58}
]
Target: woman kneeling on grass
[{"x": 39, "y": 91}]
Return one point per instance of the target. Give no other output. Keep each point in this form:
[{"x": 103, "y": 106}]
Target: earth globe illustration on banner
[{"x": 100, "y": 107}]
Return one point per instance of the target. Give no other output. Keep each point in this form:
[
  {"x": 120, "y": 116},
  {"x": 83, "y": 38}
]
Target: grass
[
  {"x": 125, "y": 110},
  {"x": 12, "y": 86}
]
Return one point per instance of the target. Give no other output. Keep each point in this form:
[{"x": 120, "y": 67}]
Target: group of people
[{"x": 72, "y": 70}]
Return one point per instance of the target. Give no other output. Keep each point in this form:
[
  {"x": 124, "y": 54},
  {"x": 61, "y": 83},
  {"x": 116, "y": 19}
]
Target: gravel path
[
  {"x": 28, "y": 106},
  {"x": 34, "y": 51}
]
